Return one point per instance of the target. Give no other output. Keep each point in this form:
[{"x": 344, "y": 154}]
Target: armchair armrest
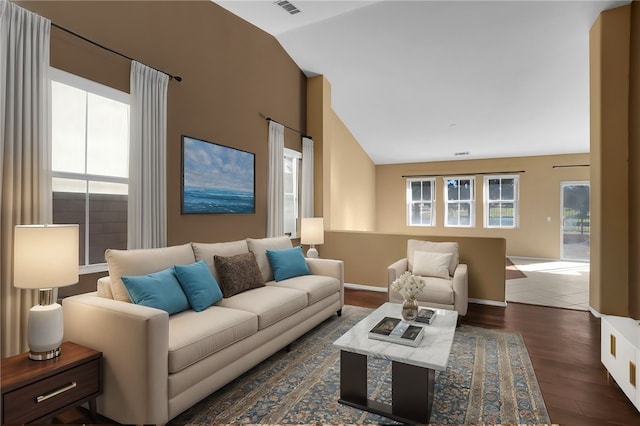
[
  {"x": 134, "y": 341},
  {"x": 461, "y": 289},
  {"x": 396, "y": 269},
  {"x": 329, "y": 268}
]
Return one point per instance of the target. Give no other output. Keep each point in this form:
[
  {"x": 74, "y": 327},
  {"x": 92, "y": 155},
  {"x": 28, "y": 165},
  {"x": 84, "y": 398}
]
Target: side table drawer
[{"x": 52, "y": 393}]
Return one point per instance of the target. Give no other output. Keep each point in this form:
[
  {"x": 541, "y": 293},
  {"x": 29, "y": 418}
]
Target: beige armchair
[{"x": 446, "y": 280}]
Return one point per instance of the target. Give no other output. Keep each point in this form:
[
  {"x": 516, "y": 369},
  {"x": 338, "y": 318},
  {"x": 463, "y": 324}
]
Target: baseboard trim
[
  {"x": 595, "y": 313},
  {"x": 365, "y": 287},
  {"x": 488, "y": 302}
]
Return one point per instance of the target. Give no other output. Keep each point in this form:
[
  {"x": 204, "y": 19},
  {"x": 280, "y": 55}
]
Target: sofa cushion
[
  {"x": 259, "y": 248},
  {"x": 287, "y": 263},
  {"x": 206, "y": 251},
  {"x": 196, "y": 335},
  {"x": 141, "y": 262},
  {"x": 270, "y": 303},
  {"x": 238, "y": 273},
  {"x": 430, "y": 264},
  {"x": 437, "y": 247},
  {"x": 160, "y": 290},
  {"x": 201, "y": 289},
  {"x": 317, "y": 287}
]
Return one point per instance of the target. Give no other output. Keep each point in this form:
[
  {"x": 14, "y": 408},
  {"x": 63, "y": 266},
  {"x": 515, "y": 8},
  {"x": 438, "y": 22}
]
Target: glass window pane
[
  {"x": 68, "y": 111},
  {"x": 452, "y": 189},
  {"x": 416, "y": 188},
  {"x": 425, "y": 213},
  {"x": 465, "y": 189},
  {"x": 508, "y": 189},
  {"x": 426, "y": 190},
  {"x": 452, "y": 214},
  {"x": 108, "y": 219},
  {"x": 415, "y": 214},
  {"x": 107, "y": 137},
  {"x": 69, "y": 206},
  {"x": 494, "y": 214},
  {"x": 465, "y": 214},
  {"x": 494, "y": 189},
  {"x": 508, "y": 218}
]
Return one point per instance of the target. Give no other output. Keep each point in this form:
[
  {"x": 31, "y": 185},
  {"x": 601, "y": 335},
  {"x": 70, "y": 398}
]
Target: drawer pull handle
[{"x": 56, "y": 392}]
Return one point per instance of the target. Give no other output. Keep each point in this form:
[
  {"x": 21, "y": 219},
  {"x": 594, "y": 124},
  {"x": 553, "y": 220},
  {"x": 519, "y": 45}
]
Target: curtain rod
[
  {"x": 175, "y": 77},
  {"x": 290, "y": 128},
  {"x": 466, "y": 174},
  {"x": 570, "y": 165}
]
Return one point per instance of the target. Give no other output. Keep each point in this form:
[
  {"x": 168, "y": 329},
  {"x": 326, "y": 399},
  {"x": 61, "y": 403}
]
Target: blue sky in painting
[{"x": 208, "y": 165}]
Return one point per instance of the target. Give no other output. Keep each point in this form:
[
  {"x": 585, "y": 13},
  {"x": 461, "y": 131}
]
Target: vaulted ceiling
[{"x": 422, "y": 81}]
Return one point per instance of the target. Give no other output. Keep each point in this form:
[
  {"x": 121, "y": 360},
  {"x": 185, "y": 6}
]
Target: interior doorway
[{"x": 575, "y": 221}]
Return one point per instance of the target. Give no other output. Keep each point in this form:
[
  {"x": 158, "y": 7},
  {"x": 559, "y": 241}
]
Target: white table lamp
[
  {"x": 312, "y": 233},
  {"x": 45, "y": 257}
]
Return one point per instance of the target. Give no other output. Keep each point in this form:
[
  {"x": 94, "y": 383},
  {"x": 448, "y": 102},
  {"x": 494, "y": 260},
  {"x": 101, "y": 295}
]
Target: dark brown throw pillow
[{"x": 238, "y": 273}]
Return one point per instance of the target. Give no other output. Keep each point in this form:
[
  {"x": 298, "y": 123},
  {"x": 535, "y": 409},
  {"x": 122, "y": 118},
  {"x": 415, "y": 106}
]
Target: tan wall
[
  {"x": 347, "y": 176},
  {"x": 367, "y": 255},
  {"x": 609, "y": 98},
  {"x": 539, "y": 197},
  {"x": 226, "y": 92}
]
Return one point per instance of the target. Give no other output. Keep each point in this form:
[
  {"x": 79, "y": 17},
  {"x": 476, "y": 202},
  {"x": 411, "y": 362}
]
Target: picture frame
[{"x": 216, "y": 179}]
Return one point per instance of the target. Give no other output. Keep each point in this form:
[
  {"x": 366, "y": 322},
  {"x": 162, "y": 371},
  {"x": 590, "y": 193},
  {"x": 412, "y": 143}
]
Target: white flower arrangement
[{"x": 408, "y": 285}]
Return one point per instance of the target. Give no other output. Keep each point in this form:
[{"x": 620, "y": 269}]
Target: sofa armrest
[
  {"x": 396, "y": 269},
  {"x": 461, "y": 289},
  {"x": 329, "y": 268},
  {"x": 134, "y": 341}
]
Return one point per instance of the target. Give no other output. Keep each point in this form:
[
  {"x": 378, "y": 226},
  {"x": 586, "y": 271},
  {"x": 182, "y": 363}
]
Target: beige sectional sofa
[{"x": 157, "y": 365}]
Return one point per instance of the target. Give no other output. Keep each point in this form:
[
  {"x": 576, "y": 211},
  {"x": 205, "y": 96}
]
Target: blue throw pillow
[
  {"x": 199, "y": 285},
  {"x": 287, "y": 263},
  {"x": 159, "y": 290}
]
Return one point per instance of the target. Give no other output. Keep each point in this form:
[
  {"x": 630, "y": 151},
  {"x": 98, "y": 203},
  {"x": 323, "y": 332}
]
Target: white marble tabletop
[{"x": 432, "y": 352}]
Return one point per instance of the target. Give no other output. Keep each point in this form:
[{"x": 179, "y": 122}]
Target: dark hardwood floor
[{"x": 564, "y": 347}]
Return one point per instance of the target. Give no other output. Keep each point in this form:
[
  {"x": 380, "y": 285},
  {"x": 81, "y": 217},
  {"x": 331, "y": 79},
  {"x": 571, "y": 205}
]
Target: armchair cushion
[
  {"x": 430, "y": 264},
  {"x": 437, "y": 247}
]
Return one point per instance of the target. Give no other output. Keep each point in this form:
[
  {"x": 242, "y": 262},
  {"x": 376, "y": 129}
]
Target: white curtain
[
  {"x": 275, "y": 189},
  {"x": 25, "y": 154},
  {"x": 147, "y": 216},
  {"x": 306, "y": 205}
]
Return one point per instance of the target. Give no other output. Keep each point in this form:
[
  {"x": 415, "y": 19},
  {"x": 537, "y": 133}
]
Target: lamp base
[
  {"x": 43, "y": 356},
  {"x": 45, "y": 330},
  {"x": 312, "y": 253}
]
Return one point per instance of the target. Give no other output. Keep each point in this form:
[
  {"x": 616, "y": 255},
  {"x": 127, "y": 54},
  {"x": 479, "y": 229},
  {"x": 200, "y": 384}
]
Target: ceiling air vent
[
  {"x": 286, "y": 5},
  {"x": 461, "y": 153}
]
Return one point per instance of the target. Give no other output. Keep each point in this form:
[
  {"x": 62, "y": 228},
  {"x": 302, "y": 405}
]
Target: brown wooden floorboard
[{"x": 564, "y": 347}]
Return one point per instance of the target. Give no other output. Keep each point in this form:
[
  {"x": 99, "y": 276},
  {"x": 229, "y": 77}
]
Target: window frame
[
  {"x": 410, "y": 201},
  {"x": 515, "y": 201},
  {"x": 471, "y": 201},
  {"x": 89, "y": 86},
  {"x": 297, "y": 157}
]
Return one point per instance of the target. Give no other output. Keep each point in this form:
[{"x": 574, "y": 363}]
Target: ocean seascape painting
[{"x": 216, "y": 178}]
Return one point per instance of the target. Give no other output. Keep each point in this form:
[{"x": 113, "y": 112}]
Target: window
[
  {"x": 291, "y": 200},
  {"x": 90, "y": 167},
  {"x": 459, "y": 201},
  {"x": 501, "y": 201},
  {"x": 421, "y": 202}
]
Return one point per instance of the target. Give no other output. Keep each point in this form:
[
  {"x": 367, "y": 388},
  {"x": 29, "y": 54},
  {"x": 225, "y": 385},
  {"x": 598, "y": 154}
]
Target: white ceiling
[{"x": 420, "y": 81}]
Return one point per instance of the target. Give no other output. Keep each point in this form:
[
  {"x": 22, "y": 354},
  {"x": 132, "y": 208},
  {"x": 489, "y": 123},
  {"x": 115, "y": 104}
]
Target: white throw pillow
[{"x": 431, "y": 264}]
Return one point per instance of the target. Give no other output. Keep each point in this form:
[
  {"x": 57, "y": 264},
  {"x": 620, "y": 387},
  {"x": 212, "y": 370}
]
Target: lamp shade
[
  {"x": 45, "y": 256},
  {"x": 312, "y": 230}
]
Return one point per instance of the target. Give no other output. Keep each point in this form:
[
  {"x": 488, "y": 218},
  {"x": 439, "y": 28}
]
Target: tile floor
[{"x": 561, "y": 284}]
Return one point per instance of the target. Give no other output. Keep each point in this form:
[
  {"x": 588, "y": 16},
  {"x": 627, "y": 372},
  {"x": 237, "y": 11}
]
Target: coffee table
[{"x": 412, "y": 371}]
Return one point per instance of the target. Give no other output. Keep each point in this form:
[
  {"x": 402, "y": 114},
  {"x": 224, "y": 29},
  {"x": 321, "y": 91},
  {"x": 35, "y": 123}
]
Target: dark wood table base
[{"x": 411, "y": 389}]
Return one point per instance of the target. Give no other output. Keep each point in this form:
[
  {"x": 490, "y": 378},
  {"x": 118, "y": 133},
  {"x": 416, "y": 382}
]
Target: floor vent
[{"x": 286, "y": 5}]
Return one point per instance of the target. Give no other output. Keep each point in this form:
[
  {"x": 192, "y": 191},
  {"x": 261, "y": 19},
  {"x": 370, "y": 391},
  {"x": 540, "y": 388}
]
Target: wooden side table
[{"x": 35, "y": 391}]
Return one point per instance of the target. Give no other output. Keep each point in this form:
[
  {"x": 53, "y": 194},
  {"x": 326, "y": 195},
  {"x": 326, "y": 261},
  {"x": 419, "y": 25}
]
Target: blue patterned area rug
[{"x": 489, "y": 380}]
